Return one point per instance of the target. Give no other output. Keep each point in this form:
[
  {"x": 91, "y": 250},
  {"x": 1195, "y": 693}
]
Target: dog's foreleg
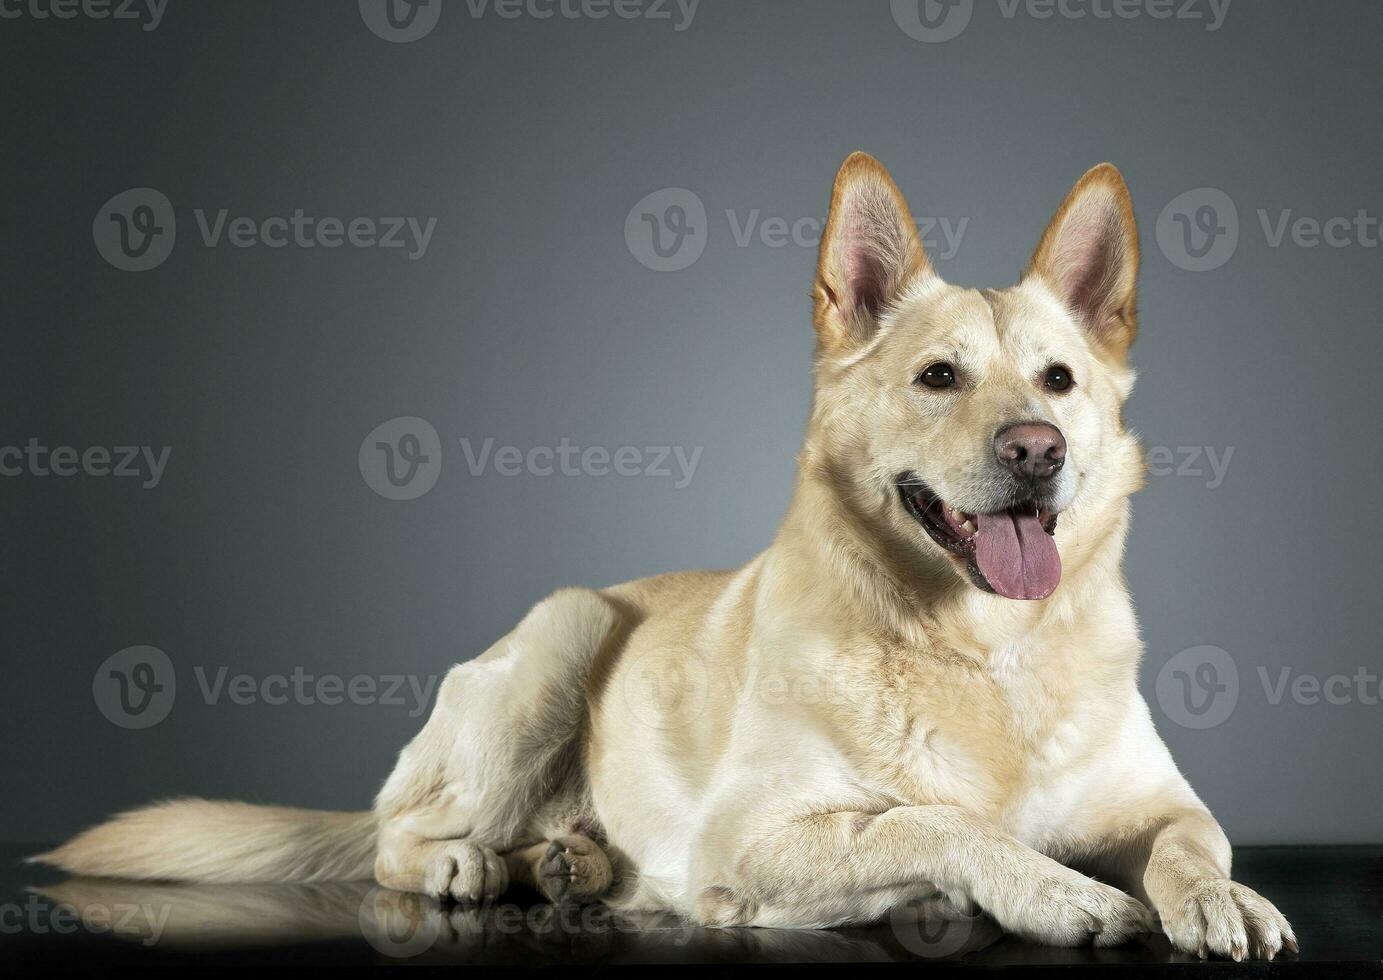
[
  {"x": 457, "y": 869},
  {"x": 830, "y": 868},
  {"x": 1203, "y": 911}
]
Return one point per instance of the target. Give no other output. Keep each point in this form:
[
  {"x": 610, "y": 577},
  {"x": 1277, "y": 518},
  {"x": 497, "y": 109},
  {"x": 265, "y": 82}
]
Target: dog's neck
[{"x": 854, "y": 562}]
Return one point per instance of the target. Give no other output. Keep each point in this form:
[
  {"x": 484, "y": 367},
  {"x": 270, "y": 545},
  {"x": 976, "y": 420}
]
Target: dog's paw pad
[{"x": 574, "y": 869}]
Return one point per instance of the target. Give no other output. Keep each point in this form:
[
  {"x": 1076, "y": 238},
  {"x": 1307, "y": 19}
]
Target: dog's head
[{"x": 983, "y": 425}]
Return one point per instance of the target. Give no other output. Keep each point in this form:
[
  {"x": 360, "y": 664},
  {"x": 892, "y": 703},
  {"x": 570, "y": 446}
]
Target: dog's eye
[
  {"x": 1059, "y": 378},
  {"x": 939, "y": 375}
]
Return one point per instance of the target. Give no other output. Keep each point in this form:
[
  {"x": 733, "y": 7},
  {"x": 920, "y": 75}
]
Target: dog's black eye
[
  {"x": 939, "y": 375},
  {"x": 1059, "y": 378}
]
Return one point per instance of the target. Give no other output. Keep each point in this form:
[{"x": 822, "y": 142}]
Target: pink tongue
[{"x": 1017, "y": 557}]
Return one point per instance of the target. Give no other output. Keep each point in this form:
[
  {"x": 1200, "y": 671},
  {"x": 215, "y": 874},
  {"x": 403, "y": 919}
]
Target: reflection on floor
[{"x": 1334, "y": 897}]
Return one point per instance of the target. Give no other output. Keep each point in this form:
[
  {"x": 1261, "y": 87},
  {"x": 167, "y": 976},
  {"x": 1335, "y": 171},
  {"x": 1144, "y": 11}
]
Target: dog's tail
[{"x": 213, "y": 841}]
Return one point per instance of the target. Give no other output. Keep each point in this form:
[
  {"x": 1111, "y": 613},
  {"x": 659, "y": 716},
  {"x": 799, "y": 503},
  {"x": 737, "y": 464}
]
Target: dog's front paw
[
  {"x": 1068, "y": 909},
  {"x": 465, "y": 872},
  {"x": 1228, "y": 919}
]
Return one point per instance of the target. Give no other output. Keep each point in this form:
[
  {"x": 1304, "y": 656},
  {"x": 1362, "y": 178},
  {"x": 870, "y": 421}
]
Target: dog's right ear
[{"x": 870, "y": 250}]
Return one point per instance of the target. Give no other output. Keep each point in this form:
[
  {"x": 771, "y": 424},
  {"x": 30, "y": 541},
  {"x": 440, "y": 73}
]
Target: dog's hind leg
[
  {"x": 568, "y": 870},
  {"x": 503, "y": 737}
]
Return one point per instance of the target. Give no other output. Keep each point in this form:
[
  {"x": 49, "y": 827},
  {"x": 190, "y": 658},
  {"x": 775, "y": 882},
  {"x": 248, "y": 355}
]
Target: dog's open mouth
[{"x": 1011, "y": 552}]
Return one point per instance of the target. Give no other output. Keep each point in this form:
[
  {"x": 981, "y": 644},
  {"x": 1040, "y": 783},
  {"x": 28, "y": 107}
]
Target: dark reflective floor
[{"x": 1333, "y": 896}]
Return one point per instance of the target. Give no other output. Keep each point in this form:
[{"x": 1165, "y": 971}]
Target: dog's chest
[{"x": 999, "y": 738}]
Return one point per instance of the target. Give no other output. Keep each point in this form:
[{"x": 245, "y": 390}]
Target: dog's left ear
[
  {"x": 870, "y": 250},
  {"x": 1088, "y": 256}
]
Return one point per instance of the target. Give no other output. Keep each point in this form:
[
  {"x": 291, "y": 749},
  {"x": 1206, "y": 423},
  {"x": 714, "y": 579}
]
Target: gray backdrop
[{"x": 539, "y": 311}]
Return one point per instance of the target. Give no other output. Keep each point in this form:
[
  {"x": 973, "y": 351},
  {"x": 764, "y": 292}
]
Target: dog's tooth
[{"x": 967, "y": 528}]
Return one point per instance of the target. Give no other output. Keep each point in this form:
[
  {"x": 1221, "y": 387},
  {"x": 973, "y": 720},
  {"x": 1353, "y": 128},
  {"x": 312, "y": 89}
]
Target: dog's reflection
[{"x": 402, "y": 926}]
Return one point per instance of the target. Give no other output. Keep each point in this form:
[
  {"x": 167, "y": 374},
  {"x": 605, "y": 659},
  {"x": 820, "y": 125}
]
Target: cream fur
[{"x": 846, "y": 723}]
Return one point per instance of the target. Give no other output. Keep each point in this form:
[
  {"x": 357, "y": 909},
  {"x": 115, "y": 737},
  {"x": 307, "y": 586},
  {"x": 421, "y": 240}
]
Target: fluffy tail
[{"x": 212, "y": 841}]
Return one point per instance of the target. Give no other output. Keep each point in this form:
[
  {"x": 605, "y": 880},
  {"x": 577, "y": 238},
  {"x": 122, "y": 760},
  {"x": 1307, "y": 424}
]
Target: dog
[{"x": 923, "y": 691}]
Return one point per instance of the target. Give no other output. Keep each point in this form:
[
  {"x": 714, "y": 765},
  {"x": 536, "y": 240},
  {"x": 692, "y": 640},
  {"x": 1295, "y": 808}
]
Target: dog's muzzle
[{"x": 1011, "y": 552}]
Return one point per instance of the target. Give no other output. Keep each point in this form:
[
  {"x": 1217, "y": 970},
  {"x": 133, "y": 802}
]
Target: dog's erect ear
[
  {"x": 869, "y": 251},
  {"x": 1088, "y": 256}
]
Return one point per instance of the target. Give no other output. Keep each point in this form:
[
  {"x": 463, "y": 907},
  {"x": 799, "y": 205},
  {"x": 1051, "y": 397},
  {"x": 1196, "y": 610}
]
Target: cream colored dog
[{"x": 868, "y": 713}]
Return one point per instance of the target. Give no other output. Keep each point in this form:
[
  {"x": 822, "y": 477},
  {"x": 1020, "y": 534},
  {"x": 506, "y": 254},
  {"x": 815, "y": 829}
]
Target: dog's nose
[{"x": 1032, "y": 450}]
